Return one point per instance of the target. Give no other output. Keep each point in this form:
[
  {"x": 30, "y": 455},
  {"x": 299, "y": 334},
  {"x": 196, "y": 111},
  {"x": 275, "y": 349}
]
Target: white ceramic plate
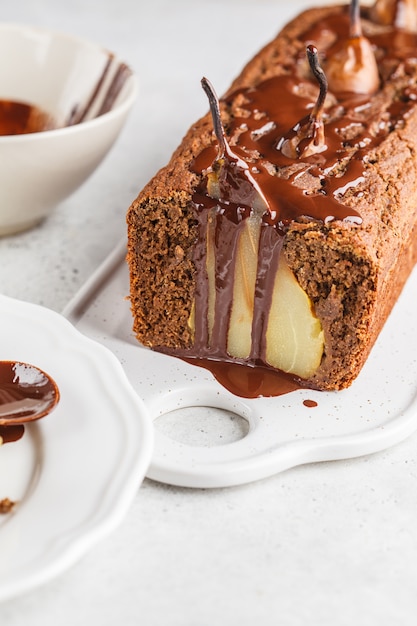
[
  {"x": 191, "y": 450},
  {"x": 76, "y": 471}
]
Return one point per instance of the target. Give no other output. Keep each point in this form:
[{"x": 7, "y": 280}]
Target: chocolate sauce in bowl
[
  {"x": 19, "y": 118},
  {"x": 307, "y": 189}
]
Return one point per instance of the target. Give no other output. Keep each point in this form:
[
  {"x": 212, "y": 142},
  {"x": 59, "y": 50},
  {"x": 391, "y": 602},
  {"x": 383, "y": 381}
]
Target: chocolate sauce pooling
[{"x": 264, "y": 117}]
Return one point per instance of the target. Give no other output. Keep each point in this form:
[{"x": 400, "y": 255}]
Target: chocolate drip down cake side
[{"x": 274, "y": 244}]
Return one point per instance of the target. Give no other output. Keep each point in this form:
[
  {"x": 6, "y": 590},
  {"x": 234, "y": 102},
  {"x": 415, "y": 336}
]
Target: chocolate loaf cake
[{"x": 274, "y": 244}]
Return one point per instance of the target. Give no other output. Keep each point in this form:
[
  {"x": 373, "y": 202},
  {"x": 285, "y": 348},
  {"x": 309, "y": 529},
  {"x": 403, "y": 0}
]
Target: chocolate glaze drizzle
[{"x": 300, "y": 187}]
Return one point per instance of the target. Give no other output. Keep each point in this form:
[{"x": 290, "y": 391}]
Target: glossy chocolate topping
[{"x": 260, "y": 122}]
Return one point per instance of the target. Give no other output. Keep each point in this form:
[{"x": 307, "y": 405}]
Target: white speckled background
[{"x": 331, "y": 544}]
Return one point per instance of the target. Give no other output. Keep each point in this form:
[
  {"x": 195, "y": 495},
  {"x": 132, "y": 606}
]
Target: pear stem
[
  {"x": 313, "y": 59},
  {"x": 355, "y": 20},
  {"x": 215, "y": 114}
]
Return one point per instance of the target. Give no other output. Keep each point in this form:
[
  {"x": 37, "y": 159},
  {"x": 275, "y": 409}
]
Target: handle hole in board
[{"x": 202, "y": 426}]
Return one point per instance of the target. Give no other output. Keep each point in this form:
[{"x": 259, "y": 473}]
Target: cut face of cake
[{"x": 273, "y": 246}]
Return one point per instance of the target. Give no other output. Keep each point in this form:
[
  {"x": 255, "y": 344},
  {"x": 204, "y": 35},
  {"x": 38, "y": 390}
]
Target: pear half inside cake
[
  {"x": 239, "y": 338},
  {"x": 294, "y": 336}
]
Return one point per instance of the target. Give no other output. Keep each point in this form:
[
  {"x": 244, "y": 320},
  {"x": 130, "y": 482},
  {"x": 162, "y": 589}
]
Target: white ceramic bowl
[{"x": 70, "y": 79}]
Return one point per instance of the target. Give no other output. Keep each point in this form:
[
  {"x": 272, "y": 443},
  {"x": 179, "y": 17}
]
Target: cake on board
[{"x": 274, "y": 244}]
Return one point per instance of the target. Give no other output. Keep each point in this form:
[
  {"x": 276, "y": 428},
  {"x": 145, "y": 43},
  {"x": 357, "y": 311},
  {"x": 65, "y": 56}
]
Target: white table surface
[{"x": 331, "y": 543}]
